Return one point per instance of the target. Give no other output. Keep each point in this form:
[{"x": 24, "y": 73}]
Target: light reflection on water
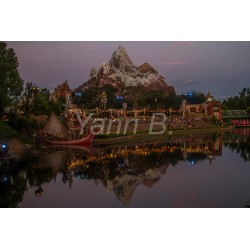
[{"x": 195, "y": 170}]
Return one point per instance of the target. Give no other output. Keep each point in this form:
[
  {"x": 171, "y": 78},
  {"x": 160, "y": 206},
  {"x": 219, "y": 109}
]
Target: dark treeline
[
  {"x": 240, "y": 102},
  {"x": 37, "y": 101},
  {"x": 135, "y": 97},
  {"x": 11, "y": 85}
]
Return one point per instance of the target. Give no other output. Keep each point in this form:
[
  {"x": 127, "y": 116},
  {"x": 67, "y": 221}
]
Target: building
[{"x": 209, "y": 108}]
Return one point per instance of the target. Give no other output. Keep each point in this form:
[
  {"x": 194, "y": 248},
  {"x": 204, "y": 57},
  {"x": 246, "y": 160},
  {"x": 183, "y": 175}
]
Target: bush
[{"x": 6, "y": 131}]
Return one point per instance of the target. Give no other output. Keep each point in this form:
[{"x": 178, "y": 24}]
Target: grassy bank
[
  {"x": 105, "y": 139},
  {"x": 201, "y": 130},
  {"x": 7, "y": 132},
  {"x": 119, "y": 135}
]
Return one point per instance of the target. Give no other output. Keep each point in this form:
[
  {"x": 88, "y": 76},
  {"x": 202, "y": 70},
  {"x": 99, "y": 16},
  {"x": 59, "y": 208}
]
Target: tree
[
  {"x": 40, "y": 104},
  {"x": 241, "y": 102},
  {"x": 244, "y": 97},
  {"x": 134, "y": 96},
  {"x": 143, "y": 97},
  {"x": 11, "y": 85},
  {"x": 90, "y": 97},
  {"x": 86, "y": 98},
  {"x": 59, "y": 106},
  {"x": 194, "y": 97},
  {"x": 35, "y": 100},
  {"x": 46, "y": 93},
  {"x": 26, "y": 98}
]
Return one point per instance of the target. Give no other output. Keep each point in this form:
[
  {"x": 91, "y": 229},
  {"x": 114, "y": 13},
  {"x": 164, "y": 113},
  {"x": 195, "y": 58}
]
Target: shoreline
[{"x": 116, "y": 138}]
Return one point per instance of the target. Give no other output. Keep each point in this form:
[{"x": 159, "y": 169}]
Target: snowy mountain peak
[
  {"x": 122, "y": 55},
  {"x": 121, "y": 61},
  {"x": 120, "y": 72}
]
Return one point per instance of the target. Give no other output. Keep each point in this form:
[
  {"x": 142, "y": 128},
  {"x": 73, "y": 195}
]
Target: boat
[
  {"x": 55, "y": 127},
  {"x": 83, "y": 141}
]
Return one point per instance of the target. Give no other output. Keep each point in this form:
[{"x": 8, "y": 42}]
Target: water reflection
[
  {"x": 239, "y": 142},
  {"x": 120, "y": 169}
]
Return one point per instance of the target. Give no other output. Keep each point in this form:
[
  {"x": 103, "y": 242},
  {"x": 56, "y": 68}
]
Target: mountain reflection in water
[{"x": 120, "y": 169}]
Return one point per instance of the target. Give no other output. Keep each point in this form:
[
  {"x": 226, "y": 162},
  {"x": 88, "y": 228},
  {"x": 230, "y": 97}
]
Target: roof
[{"x": 55, "y": 127}]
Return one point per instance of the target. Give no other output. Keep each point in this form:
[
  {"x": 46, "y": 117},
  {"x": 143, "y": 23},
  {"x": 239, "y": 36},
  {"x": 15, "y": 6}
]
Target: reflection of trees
[
  {"x": 30, "y": 172},
  {"x": 120, "y": 169},
  {"x": 67, "y": 177},
  {"x": 38, "y": 176},
  {"x": 247, "y": 204},
  {"x": 239, "y": 144},
  {"x": 12, "y": 193}
]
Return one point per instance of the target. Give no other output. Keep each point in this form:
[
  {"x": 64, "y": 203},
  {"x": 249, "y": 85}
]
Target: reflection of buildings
[
  {"x": 189, "y": 147},
  {"x": 245, "y": 132},
  {"x": 215, "y": 147},
  {"x": 119, "y": 169},
  {"x": 201, "y": 150},
  {"x": 122, "y": 169}
]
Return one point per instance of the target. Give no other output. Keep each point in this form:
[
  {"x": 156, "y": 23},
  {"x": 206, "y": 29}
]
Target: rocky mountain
[
  {"x": 61, "y": 90},
  {"x": 121, "y": 73}
]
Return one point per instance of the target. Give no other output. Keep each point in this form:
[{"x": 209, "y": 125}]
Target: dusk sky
[{"x": 223, "y": 68}]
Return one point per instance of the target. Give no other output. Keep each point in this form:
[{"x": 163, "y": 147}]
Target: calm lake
[{"x": 191, "y": 170}]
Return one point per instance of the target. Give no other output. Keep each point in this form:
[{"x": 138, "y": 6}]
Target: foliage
[
  {"x": 240, "y": 102},
  {"x": 37, "y": 101},
  {"x": 6, "y": 131},
  {"x": 38, "y": 176},
  {"x": 22, "y": 125},
  {"x": 135, "y": 97},
  {"x": 40, "y": 104},
  {"x": 12, "y": 194},
  {"x": 43, "y": 106},
  {"x": 11, "y": 85},
  {"x": 154, "y": 99},
  {"x": 89, "y": 98},
  {"x": 26, "y": 99},
  {"x": 57, "y": 107},
  {"x": 194, "y": 97},
  {"x": 241, "y": 146}
]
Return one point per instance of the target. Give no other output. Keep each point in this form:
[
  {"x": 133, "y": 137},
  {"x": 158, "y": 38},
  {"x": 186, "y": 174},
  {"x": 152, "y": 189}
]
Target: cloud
[
  {"x": 170, "y": 63},
  {"x": 186, "y": 82},
  {"x": 176, "y": 63}
]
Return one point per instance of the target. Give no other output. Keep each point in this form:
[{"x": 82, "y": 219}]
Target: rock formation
[
  {"x": 121, "y": 73},
  {"x": 61, "y": 90}
]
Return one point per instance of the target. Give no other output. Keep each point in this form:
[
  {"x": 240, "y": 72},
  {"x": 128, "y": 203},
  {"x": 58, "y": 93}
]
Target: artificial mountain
[{"x": 121, "y": 73}]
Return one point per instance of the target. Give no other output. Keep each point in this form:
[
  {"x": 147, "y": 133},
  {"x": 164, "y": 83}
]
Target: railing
[{"x": 234, "y": 114}]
